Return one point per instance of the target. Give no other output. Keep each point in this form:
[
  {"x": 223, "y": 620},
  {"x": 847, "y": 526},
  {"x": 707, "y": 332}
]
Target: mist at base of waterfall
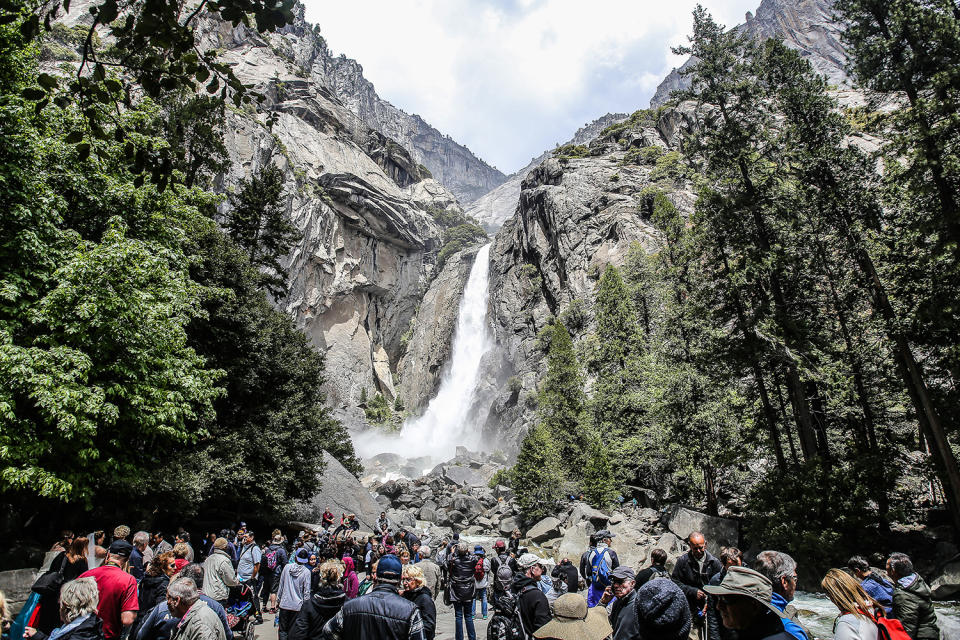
[{"x": 447, "y": 421}]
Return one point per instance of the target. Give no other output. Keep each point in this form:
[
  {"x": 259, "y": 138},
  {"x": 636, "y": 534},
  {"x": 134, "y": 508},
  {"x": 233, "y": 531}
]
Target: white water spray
[{"x": 447, "y": 422}]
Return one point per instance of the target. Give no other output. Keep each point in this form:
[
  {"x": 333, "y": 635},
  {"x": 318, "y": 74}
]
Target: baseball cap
[
  {"x": 741, "y": 581},
  {"x": 389, "y": 567},
  {"x": 623, "y": 573},
  {"x": 303, "y": 556},
  {"x": 604, "y": 533},
  {"x": 120, "y": 548},
  {"x": 499, "y": 544},
  {"x": 527, "y": 560},
  {"x": 478, "y": 550}
]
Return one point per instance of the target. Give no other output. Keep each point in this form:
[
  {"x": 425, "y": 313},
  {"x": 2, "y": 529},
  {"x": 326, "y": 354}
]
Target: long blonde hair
[{"x": 845, "y": 592}]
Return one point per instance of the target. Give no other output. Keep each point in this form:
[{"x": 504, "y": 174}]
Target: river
[{"x": 818, "y": 614}]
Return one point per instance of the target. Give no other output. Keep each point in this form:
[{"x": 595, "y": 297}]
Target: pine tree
[
  {"x": 561, "y": 399},
  {"x": 538, "y": 474},
  {"x": 599, "y": 482}
]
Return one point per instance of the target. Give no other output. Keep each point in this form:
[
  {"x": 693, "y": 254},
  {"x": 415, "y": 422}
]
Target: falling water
[{"x": 448, "y": 422}]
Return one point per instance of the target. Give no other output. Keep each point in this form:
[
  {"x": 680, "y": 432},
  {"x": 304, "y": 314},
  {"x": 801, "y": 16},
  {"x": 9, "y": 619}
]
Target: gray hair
[
  {"x": 193, "y": 571},
  {"x": 775, "y": 565},
  {"x": 184, "y": 589},
  {"x": 463, "y": 549},
  {"x": 141, "y": 539},
  {"x": 79, "y": 597},
  {"x": 425, "y": 551}
]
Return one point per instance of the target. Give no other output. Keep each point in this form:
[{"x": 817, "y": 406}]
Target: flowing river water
[{"x": 818, "y": 614}]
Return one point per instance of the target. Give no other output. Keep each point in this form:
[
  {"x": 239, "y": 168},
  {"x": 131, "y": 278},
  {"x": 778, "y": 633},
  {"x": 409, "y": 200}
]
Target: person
[
  {"x": 153, "y": 588},
  {"x": 197, "y": 620},
  {"x": 184, "y": 538},
  {"x": 745, "y": 605},
  {"x": 431, "y": 572},
  {"x": 275, "y": 558},
  {"x": 857, "y": 608},
  {"x": 121, "y": 532},
  {"x": 382, "y": 613},
  {"x": 566, "y": 572},
  {"x": 657, "y": 568},
  {"x": 348, "y": 522},
  {"x": 248, "y": 566},
  {"x": 729, "y": 557},
  {"x": 404, "y": 557},
  {"x": 532, "y": 605},
  {"x": 585, "y": 559},
  {"x": 662, "y": 611},
  {"x": 6, "y": 616},
  {"x": 180, "y": 553},
  {"x": 912, "y": 601},
  {"x": 71, "y": 564},
  {"x": 117, "y": 604},
  {"x": 327, "y": 518},
  {"x": 325, "y": 602},
  {"x": 876, "y": 586},
  {"x": 623, "y": 612},
  {"x": 572, "y": 619},
  {"x": 514, "y": 545},
  {"x": 159, "y": 623},
  {"x": 218, "y": 573},
  {"x": 462, "y": 588},
  {"x": 351, "y": 583},
  {"x": 292, "y": 591},
  {"x": 160, "y": 545},
  {"x": 781, "y": 570},
  {"x": 500, "y": 557},
  {"x": 78, "y": 613},
  {"x": 691, "y": 573},
  {"x": 602, "y": 561},
  {"x": 141, "y": 540},
  {"x": 480, "y": 584},
  {"x": 368, "y": 581},
  {"x": 417, "y": 592}
]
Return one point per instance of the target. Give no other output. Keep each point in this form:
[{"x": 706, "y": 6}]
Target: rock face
[
  {"x": 719, "y": 532},
  {"x": 498, "y": 205},
  {"x": 575, "y": 216},
  {"x": 804, "y": 25},
  {"x": 343, "y": 493}
]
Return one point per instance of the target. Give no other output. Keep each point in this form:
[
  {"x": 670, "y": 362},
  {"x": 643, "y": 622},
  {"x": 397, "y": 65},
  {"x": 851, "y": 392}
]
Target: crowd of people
[{"x": 147, "y": 587}]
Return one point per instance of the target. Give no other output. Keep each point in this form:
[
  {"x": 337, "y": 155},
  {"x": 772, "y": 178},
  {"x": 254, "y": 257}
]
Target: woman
[
  {"x": 153, "y": 587},
  {"x": 404, "y": 558},
  {"x": 78, "y": 612},
  {"x": 314, "y": 567},
  {"x": 71, "y": 563},
  {"x": 351, "y": 583},
  {"x": 857, "y": 609},
  {"x": 322, "y": 605},
  {"x": 367, "y": 583},
  {"x": 180, "y": 552},
  {"x": 76, "y": 559},
  {"x": 416, "y": 592},
  {"x": 514, "y": 544}
]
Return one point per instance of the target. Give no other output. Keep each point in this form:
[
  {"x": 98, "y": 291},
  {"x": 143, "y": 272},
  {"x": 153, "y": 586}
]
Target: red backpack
[
  {"x": 889, "y": 628},
  {"x": 478, "y": 572}
]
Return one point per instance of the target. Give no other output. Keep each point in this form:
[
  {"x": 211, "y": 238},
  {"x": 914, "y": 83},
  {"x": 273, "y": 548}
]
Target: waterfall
[{"x": 447, "y": 421}]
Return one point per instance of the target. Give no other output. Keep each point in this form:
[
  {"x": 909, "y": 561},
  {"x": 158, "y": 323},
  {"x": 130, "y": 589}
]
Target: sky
[{"x": 512, "y": 78}]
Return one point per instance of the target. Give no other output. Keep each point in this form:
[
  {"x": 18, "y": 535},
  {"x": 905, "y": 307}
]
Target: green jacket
[
  {"x": 199, "y": 623},
  {"x": 913, "y": 606}
]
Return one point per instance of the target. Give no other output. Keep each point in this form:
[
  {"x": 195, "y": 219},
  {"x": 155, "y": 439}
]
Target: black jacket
[
  {"x": 623, "y": 618},
  {"x": 315, "y": 612},
  {"x": 151, "y": 592},
  {"x": 715, "y": 628},
  {"x": 382, "y": 614},
  {"x": 90, "y": 629},
  {"x": 566, "y": 571},
  {"x": 691, "y": 578},
  {"x": 643, "y": 577},
  {"x": 428, "y": 610},
  {"x": 531, "y": 603},
  {"x": 767, "y": 627},
  {"x": 462, "y": 583}
]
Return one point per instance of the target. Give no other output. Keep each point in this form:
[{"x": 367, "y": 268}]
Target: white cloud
[{"x": 510, "y": 78}]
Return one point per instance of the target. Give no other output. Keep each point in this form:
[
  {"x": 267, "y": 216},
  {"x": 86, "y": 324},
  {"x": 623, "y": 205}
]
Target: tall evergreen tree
[
  {"x": 538, "y": 474},
  {"x": 561, "y": 400}
]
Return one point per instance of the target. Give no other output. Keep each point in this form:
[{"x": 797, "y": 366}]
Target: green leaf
[
  {"x": 202, "y": 74},
  {"x": 7, "y": 18},
  {"x": 213, "y": 86},
  {"x": 47, "y": 81}
]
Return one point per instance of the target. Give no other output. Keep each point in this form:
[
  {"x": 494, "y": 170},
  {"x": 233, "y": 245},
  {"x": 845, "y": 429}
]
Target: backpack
[
  {"x": 504, "y": 578},
  {"x": 889, "y": 628},
  {"x": 599, "y": 569},
  {"x": 478, "y": 571},
  {"x": 658, "y": 573},
  {"x": 506, "y": 623},
  {"x": 271, "y": 555}
]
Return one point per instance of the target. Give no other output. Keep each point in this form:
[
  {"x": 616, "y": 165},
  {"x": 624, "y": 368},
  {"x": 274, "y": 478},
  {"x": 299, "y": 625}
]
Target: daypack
[
  {"x": 657, "y": 573},
  {"x": 599, "y": 569},
  {"x": 506, "y": 623},
  {"x": 478, "y": 571},
  {"x": 504, "y": 578},
  {"x": 271, "y": 555},
  {"x": 889, "y": 628}
]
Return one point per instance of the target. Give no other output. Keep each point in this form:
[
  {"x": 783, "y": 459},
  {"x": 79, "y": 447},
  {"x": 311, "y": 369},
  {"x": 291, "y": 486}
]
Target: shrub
[
  {"x": 669, "y": 166},
  {"x": 568, "y": 151},
  {"x": 378, "y": 410},
  {"x": 538, "y": 475},
  {"x": 502, "y": 476},
  {"x": 459, "y": 238}
]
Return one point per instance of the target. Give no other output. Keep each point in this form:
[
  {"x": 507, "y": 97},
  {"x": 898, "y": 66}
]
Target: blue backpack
[{"x": 599, "y": 569}]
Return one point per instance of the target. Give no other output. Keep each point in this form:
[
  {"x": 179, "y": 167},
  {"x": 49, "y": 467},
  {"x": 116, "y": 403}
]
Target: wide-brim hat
[
  {"x": 741, "y": 581},
  {"x": 572, "y": 620}
]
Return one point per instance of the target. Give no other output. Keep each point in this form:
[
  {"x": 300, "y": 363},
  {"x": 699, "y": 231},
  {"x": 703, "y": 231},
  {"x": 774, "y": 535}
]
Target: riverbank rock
[
  {"x": 342, "y": 493},
  {"x": 15, "y": 585},
  {"x": 719, "y": 532},
  {"x": 546, "y": 529},
  {"x": 947, "y": 583}
]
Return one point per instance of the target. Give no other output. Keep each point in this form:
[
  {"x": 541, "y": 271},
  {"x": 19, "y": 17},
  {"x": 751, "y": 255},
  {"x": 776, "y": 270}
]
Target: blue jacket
[
  {"x": 880, "y": 590},
  {"x": 790, "y": 626}
]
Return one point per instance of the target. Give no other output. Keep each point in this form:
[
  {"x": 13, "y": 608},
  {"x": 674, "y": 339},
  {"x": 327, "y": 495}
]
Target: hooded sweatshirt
[
  {"x": 294, "y": 587},
  {"x": 913, "y": 606},
  {"x": 351, "y": 583}
]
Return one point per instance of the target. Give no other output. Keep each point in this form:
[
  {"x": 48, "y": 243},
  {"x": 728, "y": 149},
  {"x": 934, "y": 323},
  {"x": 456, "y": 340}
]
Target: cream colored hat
[{"x": 572, "y": 620}]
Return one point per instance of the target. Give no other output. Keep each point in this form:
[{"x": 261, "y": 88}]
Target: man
[
  {"x": 382, "y": 613},
  {"x": 532, "y": 604},
  {"x": 602, "y": 560},
  {"x": 501, "y": 557},
  {"x": 383, "y": 523},
  {"x": 729, "y": 557},
  {"x": 875, "y": 585},
  {"x": 657, "y": 568},
  {"x": 218, "y": 573},
  {"x": 141, "y": 540},
  {"x": 692, "y": 571},
  {"x": 568, "y": 573},
  {"x": 327, "y": 518},
  {"x": 431, "y": 572},
  {"x": 781, "y": 570},
  {"x": 197, "y": 620},
  {"x": 160, "y": 545},
  {"x": 623, "y": 614},
  {"x": 462, "y": 588},
  {"x": 275, "y": 558},
  {"x": 248, "y": 567},
  {"x": 912, "y": 602},
  {"x": 160, "y": 622},
  {"x": 744, "y": 600},
  {"x": 585, "y": 559},
  {"x": 118, "y": 606}
]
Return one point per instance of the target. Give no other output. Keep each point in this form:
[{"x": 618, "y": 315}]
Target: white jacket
[{"x": 851, "y": 627}]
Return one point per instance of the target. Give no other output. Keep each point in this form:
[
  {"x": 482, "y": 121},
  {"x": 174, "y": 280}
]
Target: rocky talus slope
[{"x": 804, "y": 25}]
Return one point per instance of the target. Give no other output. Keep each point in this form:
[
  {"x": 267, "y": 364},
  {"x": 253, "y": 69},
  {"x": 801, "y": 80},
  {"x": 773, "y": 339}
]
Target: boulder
[
  {"x": 450, "y": 518},
  {"x": 427, "y": 513},
  {"x": 508, "y": 524},
  {"x": 393, "y": 488},
  {"x": 463, "y": 477},
  {"x": 15, "y": 585},
  {"x": 401, "y": 518},
  {"x": 342, "y": 492},
  {"x": 719, "y": 532},
  {"x": 468, "y": 505},
  {"x": 501, "y": 491},
  {"x": 544, "y": 530},
  {"x": 407, "y": 499},
  {"x": 582, "y": 511},
  {"x": 947, "y": 582},
  {"x": 575, "y": 541}
]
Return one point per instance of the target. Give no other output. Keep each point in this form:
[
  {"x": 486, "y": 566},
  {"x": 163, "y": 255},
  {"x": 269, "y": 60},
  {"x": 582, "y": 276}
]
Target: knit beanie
[
  {"x": 220, "y": 543},
  {"x": 662, "y": 611}
]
